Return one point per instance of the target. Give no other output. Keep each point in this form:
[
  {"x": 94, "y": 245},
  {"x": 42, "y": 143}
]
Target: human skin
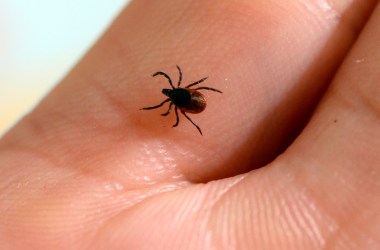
[{"x": 290, "y": 153}]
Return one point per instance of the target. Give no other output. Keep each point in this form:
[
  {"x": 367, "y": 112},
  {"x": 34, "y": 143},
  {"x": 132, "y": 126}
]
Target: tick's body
[{"x": 185, "y": 99}]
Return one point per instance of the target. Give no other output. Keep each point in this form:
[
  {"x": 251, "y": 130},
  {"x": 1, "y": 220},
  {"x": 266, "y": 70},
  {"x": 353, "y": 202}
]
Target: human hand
[{"x": 88, "y": 169}]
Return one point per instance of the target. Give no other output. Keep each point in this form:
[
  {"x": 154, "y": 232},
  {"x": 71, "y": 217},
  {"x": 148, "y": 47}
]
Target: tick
[{"x": 186, "y": 99}]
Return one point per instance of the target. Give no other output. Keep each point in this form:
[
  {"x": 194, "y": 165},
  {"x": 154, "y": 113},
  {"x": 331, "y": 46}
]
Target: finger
[
  {"x": 337, "y": 157},
  {"x": 322, "y": 193},
  {"x": 264, "y": 107},
  {"x": 326, "y": 185},
  {"x": 95, "y": 112}
]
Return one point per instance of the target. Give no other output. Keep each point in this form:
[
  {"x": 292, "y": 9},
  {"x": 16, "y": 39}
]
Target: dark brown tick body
[{"x": 185, "y": 99}]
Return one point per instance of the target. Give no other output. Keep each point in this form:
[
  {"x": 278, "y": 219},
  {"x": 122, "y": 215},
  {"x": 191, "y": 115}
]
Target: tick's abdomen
[{"x": 188, "y": 100}]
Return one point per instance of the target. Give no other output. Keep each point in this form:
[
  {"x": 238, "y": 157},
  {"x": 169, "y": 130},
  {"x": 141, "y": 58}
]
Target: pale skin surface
[{"x": 88, "y": 170}]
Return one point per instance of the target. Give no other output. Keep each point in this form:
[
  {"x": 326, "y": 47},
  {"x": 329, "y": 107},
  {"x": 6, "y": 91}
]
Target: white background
[{"x": 40, "y": 40}]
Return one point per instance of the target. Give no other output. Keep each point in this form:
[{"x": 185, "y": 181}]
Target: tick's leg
[
  {"x": 165, "y": 75},
  {"x": 170, "y": 107},
  {"x": 208, "y": 88},
  {"x": 197, "y": 82},
  {"x": 157, "y": 106},
  {"x": 176, "y": 114},
  {"x": 188, "y": 118},
  {"x": 180, "y": 76}
]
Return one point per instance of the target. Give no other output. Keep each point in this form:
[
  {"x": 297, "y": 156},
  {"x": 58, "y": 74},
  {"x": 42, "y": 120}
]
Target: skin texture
[{"x": 290, "y": 153}]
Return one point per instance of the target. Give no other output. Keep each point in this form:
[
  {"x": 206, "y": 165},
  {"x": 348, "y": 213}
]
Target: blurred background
[{"x": 40, "y": 41}]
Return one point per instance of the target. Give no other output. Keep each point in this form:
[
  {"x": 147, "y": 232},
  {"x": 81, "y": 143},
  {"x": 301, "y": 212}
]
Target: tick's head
[{"x": 166, "y": 92}]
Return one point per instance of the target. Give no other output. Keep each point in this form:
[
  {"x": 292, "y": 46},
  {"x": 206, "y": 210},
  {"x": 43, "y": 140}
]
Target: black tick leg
[
  {"x": 197, "y": 82},
  {"x": 166, "y": 76},
  {"x": 208, "y": 88},
  {"x": 188, "y": 118},
  {"x": 157, "y": 106},
  {"x": 170, "y": 107},
  {"x": 176, "y": 114},
  {"x": 180, "y": 76}
]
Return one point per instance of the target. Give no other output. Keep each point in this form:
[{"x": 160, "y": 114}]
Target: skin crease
[{"x": 87, "y": 169}]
